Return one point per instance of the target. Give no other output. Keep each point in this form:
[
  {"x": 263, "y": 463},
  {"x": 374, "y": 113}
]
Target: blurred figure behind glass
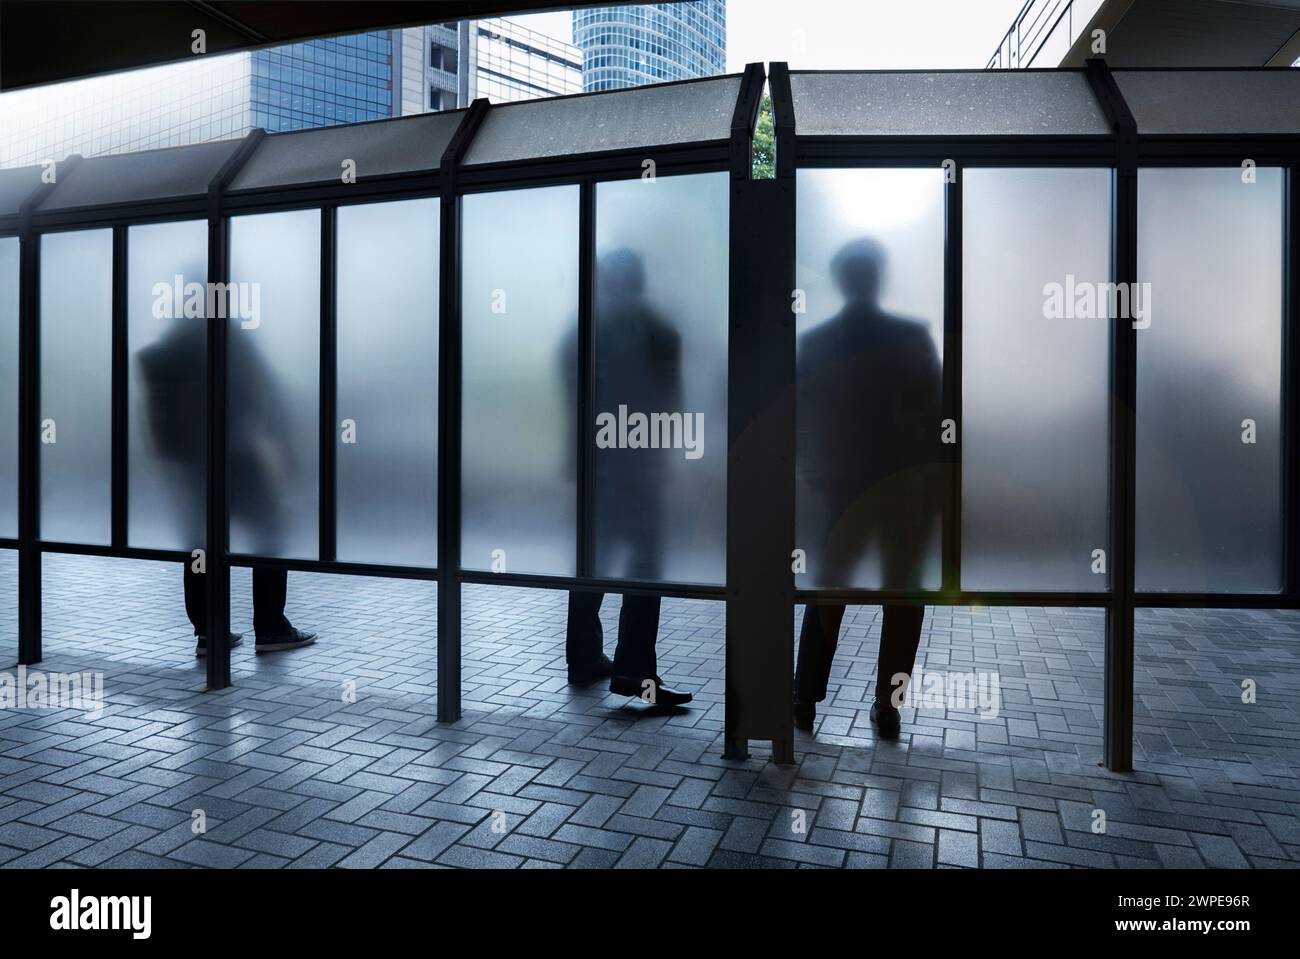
[
  {"x": 173, "y": 372},
  {"x": 869, "y": 394},
  {"x": 638, "y": 365}
]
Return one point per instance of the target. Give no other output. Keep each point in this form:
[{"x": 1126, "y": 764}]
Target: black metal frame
[
  {"x": 760, "y": 444},
  {"x": 759, "y": 587},
  {"x": 1123, "y": 151},
  {"x": 450, "y": 180}
]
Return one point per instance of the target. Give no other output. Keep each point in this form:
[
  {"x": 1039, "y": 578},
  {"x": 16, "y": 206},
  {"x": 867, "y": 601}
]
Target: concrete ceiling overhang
[{"x": 1193, "y": 33}]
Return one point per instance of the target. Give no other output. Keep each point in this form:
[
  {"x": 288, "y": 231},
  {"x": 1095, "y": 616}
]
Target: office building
[
  {"x": 292, "y": 87},
  {"x": 650, "y": 43},
  {"x": 448, "y": 65},
  {"x": 316, "y": 83}
]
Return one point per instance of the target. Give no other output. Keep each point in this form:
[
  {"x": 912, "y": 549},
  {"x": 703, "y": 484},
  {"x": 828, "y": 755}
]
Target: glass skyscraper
[
  {"x": 650, "y": 43},
  {"x": 310, "y": 84},
  {"x": 323, "y": 82},
  {"x": 315, "y": 83}
]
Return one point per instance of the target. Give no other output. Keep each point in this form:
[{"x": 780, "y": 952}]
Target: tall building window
[{"x": 442, "y": 58}]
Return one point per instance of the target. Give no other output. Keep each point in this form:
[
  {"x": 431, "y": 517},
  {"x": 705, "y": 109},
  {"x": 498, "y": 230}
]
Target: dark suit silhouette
[
  {"x": 638, "y": 365},
  {"x": 173, "y": 374},
  {"x": 869, "y": 408}
]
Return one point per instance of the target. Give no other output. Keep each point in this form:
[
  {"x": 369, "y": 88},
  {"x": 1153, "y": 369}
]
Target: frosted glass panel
[
  {"x": 273, "y": 408},
  {"x": 388, "y": 382},
  {"x": 661, "y": 348},
  {"x": 519, "y": 308},
  {"x": 76, "y": 386},
  {"x": 1035, "y": 380},
  {"x": 8, "y": 386},
  {"x": 869, "y": 245},
  {"x": 167, "y": 337},
  {"x": 1209, "y": 505}
]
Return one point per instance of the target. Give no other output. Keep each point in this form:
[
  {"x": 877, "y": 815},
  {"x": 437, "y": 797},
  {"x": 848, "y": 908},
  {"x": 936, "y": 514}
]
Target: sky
[{"x": 849, "y": 34}]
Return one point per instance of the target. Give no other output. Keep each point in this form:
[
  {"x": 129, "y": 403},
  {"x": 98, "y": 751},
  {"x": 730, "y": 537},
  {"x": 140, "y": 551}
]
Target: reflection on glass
[
  {"x": 9, "y": 386},
  {"x": 1209, "y": 440},
  {"x": 661, "y": 354},
  {"x": 1035, "y": 388},
  {"x": 519, "y": 308},
  {"x": 76, "y": 386},
  {"x": 167, "y": 336},
  {"x": 387, "y": 437},
  {"x": 870, "y": 271},
  {"x": 273, "y": 427}
]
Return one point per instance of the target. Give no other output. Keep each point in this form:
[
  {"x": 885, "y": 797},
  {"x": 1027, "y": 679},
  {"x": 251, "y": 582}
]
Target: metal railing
[{"x": 1033, "y": 26}]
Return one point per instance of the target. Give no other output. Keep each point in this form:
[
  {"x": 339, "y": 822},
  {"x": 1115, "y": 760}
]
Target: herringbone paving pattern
[{"x": 288, "y": 773}]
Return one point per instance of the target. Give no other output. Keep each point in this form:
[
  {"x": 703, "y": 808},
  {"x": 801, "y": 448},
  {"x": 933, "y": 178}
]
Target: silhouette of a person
[
  {"x": 172, "y": 372},
  {"x": 639, "y": 366},
  {"x": 869, "y": 394}
]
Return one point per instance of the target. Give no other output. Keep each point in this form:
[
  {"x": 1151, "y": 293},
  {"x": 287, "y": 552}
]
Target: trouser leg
[
  {"x": 638, "y": 628},
  {"x": 900, "y": 630},
  {"x": 817, "y": 641},
  {"x": 900, "y": 636},
  {"x": 270, "y": 591},
  {"x": 584, "y": 637},
  {"x": 196, "y": 599},
  {"x": 820, "y": 634}
]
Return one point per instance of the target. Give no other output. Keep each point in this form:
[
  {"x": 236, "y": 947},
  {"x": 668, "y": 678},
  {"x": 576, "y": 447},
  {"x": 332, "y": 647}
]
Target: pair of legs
[
  {"x": 634, "y": 671},
  {"x": 270, "y": 590},
  {"x": 629, "y": 520},
  {"x": 900, "y": 636},
  {"x": 901, "y": 527},
  {"x": 638, "y": 628}
]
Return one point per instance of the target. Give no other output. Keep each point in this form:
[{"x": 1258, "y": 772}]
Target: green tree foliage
[{"x": 764, "y": 143}]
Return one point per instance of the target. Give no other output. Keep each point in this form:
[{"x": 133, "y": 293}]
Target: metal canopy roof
[
  {"x": 1213, "y": 102},
  {"x": 119, "y": 179},
  {"x": 16, "y": 185},
  {"x": 661, "y": 114},
  {"x": 379, "y": 148},
  {"x": 1056, "y": 107},
  {"x": 946, "y": 103},
  {"x": 296, "y": 166}
]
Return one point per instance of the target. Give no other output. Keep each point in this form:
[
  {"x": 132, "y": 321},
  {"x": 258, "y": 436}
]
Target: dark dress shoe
[
  {"x": 201, "y": 646},
  {"x": 601, "y": 668},
  {"x": 886, "y": 720},
  {"x": 651, "y": 690},
  {"x": 293, "y": 639},
  {"x": 805, "y": 714}
]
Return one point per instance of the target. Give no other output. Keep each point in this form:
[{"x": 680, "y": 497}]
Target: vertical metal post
[
  {"x": 586, "y": 439},
  {"x": 1118, "y": 746},
  {"x": 118, "y": 487},
  {"x": 29, "y": 450},
  {"x": 1291, "y": 387},
  {"x": 449, "y": 395},
  {"x": 216, "y": 565},
  {"x": 760, "y": 433},
  {"x": 952, "y": 380},
  {"x": 29, "y": 417},
  {"x": 217, "y": 539},
  {"x": 449, "y": 418},
  {"x": 329, "y": 422}
]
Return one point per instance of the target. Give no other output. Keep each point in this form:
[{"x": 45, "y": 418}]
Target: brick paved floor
[{"x": 538, "y": 774}]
